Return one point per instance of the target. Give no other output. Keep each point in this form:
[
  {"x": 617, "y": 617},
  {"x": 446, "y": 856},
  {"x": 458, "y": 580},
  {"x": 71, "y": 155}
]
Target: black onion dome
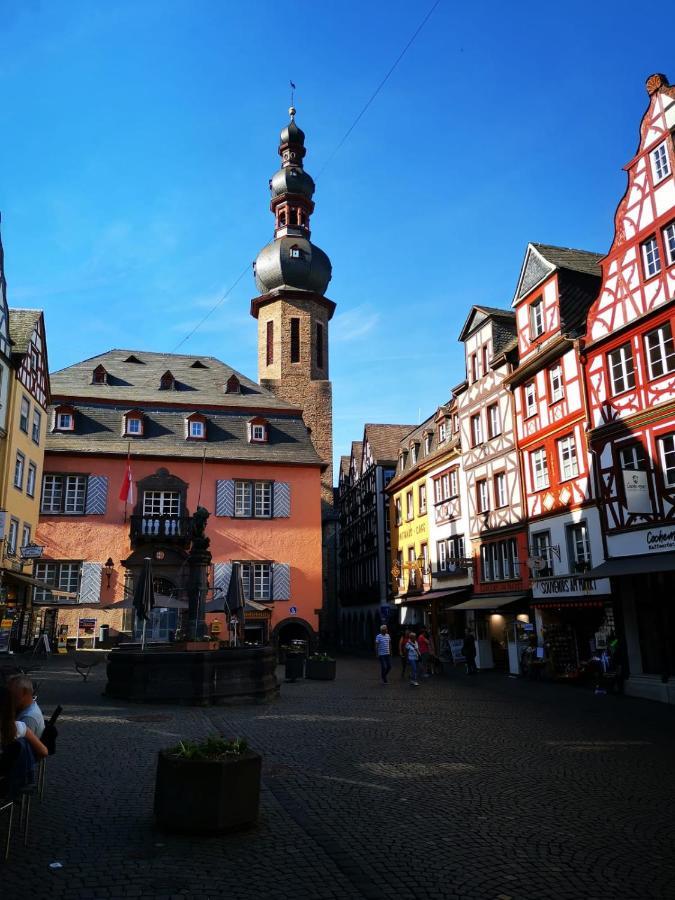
[
  {"x": 306, "y": 269},
  {"x": 291, "y": 134},
  {"x": 292, "y": 180}
]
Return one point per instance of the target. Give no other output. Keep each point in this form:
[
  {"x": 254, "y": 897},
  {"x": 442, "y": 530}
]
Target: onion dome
[{"x": 292, "y": 262}]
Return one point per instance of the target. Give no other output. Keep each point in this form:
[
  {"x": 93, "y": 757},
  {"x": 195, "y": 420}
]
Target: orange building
[{"x": 196, "y": 434}]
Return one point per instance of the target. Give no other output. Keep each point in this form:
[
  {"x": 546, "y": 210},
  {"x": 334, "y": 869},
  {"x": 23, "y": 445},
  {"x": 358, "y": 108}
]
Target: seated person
[
  {"x": 28, "y": 711},
  {"x": 19, "y": 750}
]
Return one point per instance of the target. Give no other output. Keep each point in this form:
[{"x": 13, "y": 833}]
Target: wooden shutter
[
  {"x": 282, "y": 500},
  {"x": 225, "y": 498},
  {"x": 222, "y": 572},
  {"x": 97, "y": 496},
  {"x": 281, "y": 581},
  {"x": 90, "y": 583}
]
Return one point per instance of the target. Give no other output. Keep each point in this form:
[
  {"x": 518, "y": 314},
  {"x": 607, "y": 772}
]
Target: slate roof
[
  {"x": 138, "y": 382},
  {"x": 500, "y": 317},
  {"x": 100, "y": 408},
  {"x": 384, "y": 441},
  {"x": 569, "y": 258},
  {"x": 357, "y": 453},
  {"x": 344, "y": 466},
  {"x": 22, "y": 324}
]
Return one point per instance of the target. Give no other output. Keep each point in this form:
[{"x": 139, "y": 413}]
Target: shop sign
[
  {"x": 569, "y": 585},
  {"x": 6, "y": 630},
  {"x": 638, "y": 543},
  {"x": 456, "y": 650},
  {"x": 32, "y": 551},
  {"x": 636, "y": 488},
  {"x": 87, "y": 624}
]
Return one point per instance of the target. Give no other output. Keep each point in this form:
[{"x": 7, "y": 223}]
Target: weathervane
[{"x": 292, "y": 109}]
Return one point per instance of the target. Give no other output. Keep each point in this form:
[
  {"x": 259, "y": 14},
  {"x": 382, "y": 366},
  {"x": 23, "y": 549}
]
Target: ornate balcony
[{"x": 160, "y": 529}]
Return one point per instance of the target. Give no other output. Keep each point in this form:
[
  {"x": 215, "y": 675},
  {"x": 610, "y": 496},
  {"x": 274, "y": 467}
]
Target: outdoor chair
[{"x": 7, "y": 806}]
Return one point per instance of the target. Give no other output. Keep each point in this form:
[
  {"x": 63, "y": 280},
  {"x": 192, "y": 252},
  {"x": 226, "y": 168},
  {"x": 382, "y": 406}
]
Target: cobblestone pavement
[{"x": 489, "y": 788}]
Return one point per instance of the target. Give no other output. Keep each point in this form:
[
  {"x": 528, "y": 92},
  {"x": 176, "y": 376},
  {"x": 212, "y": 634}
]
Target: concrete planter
[
  {"x": 207, "y": 796},
  {"x": 320, "y": 669}
]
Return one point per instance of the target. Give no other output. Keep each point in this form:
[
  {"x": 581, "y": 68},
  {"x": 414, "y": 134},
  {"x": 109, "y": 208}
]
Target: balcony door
[{"x": 161, "y": 503}]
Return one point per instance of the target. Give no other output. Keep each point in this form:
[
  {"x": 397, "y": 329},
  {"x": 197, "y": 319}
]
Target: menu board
[{"x": 6, "y": 623}]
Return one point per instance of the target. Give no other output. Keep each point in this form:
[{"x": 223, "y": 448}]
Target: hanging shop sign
[
  {"x": 636, "y": 487},
  {"x": 31, "y": 551},
  {"x": 638, "y": 543}
]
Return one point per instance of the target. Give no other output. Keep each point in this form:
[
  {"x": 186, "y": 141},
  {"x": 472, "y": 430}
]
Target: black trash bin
[
  {"x": 103, "y": 633},
  {"x": 295, "y": 665}
]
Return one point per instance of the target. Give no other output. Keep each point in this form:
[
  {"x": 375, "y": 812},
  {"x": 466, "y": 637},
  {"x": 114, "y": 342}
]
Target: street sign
[
  {"x": 293, "y": 610},
  {"x": 31, "y": 551}
]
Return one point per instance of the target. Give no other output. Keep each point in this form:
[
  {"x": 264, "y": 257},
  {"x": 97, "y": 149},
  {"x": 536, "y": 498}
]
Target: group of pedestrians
[{"x": 417, "y": 654}]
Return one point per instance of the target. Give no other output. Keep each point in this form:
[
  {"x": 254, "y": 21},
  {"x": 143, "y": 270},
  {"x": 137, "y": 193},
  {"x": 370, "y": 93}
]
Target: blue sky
[{"x": 137, "y": 140}]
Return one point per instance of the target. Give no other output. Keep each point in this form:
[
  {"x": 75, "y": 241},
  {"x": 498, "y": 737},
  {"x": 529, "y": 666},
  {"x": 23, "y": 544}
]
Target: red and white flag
[{"x": 127, "y": 488}]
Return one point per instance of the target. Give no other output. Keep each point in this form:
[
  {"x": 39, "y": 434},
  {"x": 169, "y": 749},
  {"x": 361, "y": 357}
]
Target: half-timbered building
[
  {"x": 365, "y": 590},
  {"x": 630, "y": 377},
  {"x": 555, "y": 289},
  {"x": 496, "y": 513}
]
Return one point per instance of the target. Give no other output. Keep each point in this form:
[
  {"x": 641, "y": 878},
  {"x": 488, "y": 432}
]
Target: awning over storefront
[
  {"x": 417, "y": 599},
  {"x": 495, "y": 601},
  {"x": 35, "y": 582},
  {"x": 634, "y": 565}
]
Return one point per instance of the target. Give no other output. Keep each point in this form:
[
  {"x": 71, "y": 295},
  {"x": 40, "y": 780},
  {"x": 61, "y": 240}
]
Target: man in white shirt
[
  {"x": 27, "y": 710},
  {"x": 383, "y": 652}
]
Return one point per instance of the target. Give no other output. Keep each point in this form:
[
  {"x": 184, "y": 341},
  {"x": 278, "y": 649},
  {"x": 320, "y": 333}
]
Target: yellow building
[{"x": 21, "y": 460}]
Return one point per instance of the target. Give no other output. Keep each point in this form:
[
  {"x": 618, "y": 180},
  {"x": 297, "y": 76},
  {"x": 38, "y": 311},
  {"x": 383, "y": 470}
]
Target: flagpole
[{"x": 127, "y": 473}]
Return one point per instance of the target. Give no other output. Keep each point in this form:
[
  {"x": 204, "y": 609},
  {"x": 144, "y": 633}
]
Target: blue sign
[{"x": 294, "y": 610}]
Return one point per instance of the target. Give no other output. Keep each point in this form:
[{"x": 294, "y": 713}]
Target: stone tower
[
  {"x": 293, "y": 313},
  {"x": 292, "y": 275}
]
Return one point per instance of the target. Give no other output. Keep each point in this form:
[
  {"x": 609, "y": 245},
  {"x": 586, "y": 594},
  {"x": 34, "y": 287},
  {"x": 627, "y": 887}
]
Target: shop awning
[
  {"x": 416, "y": 599},
  {"x": 35, "y": 582},
  {"x": 633, "y": 565},
  {"x": 495, "y": 601}
]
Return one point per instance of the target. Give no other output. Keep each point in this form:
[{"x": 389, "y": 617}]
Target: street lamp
[{"x": 109, "y": 568}]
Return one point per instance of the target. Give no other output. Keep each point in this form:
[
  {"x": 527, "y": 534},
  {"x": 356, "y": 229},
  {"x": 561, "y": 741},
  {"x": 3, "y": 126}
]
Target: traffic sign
[{"x": 294, "y": 610}]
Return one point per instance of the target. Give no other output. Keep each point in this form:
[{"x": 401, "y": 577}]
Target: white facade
[{"x": 447, "y": 504}]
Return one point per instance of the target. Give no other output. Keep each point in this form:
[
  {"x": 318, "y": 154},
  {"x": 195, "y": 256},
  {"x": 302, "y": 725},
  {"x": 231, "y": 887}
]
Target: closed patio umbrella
[
  {"x": 235, "y": 599},
  {"x": 144, "y": 596}
]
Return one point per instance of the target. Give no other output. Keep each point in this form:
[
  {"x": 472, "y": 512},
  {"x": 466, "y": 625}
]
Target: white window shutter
[
  {"x": 225, "y": 498},
  {"x": 97, "y": 495},
  {"x": 282, "y": 499},
  {"x": 90, "y": 583},
  {"x": 281, "y": 581},
  {"x": 222, "y": 572}
]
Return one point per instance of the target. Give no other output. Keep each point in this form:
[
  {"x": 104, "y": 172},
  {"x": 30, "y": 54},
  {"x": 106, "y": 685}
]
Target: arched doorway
[{"x": 293, "y": 630}]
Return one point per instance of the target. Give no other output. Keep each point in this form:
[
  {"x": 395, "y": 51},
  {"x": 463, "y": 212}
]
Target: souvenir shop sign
[{"x": 570, "y": 585}]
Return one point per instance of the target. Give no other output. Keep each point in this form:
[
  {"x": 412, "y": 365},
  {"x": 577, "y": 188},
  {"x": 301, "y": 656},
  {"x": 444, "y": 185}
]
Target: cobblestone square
[{"x": 489, "y": 788}]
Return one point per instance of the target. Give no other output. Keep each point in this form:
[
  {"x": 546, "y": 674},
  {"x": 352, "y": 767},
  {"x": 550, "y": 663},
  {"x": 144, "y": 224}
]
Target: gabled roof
[
  {"x": 22, "y": 324},
  {"x": 133, "y": 383},
  {"x": 384, "y": 441},
  {"x": 541, "y": 260},
  {"x": 479, "y": 314},
  {"x": 357, "y": 453},
  {"x": 344, "y": 466}
]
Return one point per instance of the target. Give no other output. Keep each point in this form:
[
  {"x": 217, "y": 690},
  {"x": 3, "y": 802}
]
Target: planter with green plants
[
  {"x": 320, "y": 667},
  {"x": 208, "y": 786}
]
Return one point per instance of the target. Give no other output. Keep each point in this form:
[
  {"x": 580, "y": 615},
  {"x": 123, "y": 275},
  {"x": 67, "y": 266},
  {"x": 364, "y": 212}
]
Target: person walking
[
  {"x": 403, "y": 653},
  {"x": 383, "y": 652},
  {"x": 425, "y": 652},
  {"x": 413, "y": 652},
  {"x": 469, "y": 653}
]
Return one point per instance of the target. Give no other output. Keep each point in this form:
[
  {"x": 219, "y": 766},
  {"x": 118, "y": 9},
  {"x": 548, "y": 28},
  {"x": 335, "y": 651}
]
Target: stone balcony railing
[{"x": 165, "y": 529}]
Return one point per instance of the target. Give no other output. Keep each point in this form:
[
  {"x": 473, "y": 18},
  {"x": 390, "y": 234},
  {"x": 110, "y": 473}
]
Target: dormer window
[
  {"x": 100, "y": 376},
  {"x": 427, "y": 443},
  {"x": 258, "y": 431},
  {"x": 536, "y": 318},
  {"x": 442, "y": 432},
  {"x": 414, "y": 452},
  {"x": 167, "y": 382},
  {"x": 296, "y": 252},
  {"x": 64, "y": 418},
  {"x": 233, "y": 385},
  {"x": 134, "y": 359},
  {"x": 198, "y": 364},
  {"x": 196, "y": 427},
  {"x": 133, "y": 423}
]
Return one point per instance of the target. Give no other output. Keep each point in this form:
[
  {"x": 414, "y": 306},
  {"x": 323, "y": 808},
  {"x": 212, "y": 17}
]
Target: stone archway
[{"x": 293, "y": 629}]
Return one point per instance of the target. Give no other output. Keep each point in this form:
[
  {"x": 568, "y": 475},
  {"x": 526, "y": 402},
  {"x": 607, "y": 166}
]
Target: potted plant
[
  {"x": 208, "y": 786},
  {"x": 320, "y": 667}
]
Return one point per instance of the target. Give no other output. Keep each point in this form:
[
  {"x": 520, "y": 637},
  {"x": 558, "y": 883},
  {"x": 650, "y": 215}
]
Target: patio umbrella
[
  {"x": 144, "y": 596},
  {"x": 235, "y": 599}
]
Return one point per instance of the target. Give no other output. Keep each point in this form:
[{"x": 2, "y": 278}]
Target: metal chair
[
  {"x": 8, "y": 806},
  {"x": 42, "y": 776}
]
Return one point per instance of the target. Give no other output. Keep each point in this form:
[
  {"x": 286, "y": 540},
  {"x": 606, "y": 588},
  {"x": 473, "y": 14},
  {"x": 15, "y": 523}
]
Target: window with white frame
[
  {"x": 31, "y": 478},
  {"x": 540, "y": 469},
  {"x": 473, "y": 362},
  {"x": 442, "y": 555},
  {"x": 197, "y": 429},
  {"x": 483, "y": 497},
  {"x": 454, "y": 482},
  {"x": 500, "y": 489},
  {"x": 63, "y": 494},
  {"x": 25, "y": 535},
  {"x": 257, "y": 580},
  {"x": 476, "y": 431},
  {"x": 62, "y": 575},
  {"x": 65, "y": 422},
  {"x": 413, "y": 453},
  {"x": 541, "y": 549},
  {"x": 651, "y": 258},
  {"x": 632, "y": 458},
  {"x": 537, "y": 318},
  {"x": 567, "y": 454},
  {"x": 438, "y": 490},
  {"x": 422, "y": 490},
  {"x": 667, "y": 445},
  {"x": 621, "y": 369},
  {"x": 161, "y": 503},
  {"x": 427, "y": 444},
  {"x": 660, "y": 351},
  {"x": 37, "y": 426},
  {"x": 24, "y": 415},
  {"x": 530, "y": 399},
  {"x": 133, "y": 425},
  {"x": 12, "y": 536},
  {"x": 579, "y": 547},
  {"x": 409, "y": 509},
  {"x": 441, "y": 432},
  {"x": 19, "y": 467},
  {"x": 445, "y": 481},
  {"x": 499, "y": 561},
  {"x": 399, "y": 514},
  {"x": 253, "y": 499},
  {"x": 455, "y": 550},
  {"x": 555, "y": 380},
  {"x": 494, "y": 422},
  {"x": 660, "y": 162},
  {"x": 669, "y": 242}
]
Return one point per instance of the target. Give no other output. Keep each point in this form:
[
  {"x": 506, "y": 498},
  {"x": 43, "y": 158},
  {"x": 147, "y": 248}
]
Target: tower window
[
  {"x": 295, "y": 253},
  {"x": 282, "y": 218},
  {"x": 319, "y": 345},
  {"x": 295, "y": 340},
  {"x": 270, "y": 343}
]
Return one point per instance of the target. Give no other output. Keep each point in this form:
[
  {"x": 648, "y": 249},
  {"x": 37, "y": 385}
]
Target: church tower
[{"x": 293, "y": 313}]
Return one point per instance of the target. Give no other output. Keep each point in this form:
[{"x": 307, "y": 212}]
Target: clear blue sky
[{"x": 137, "y": 140}]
